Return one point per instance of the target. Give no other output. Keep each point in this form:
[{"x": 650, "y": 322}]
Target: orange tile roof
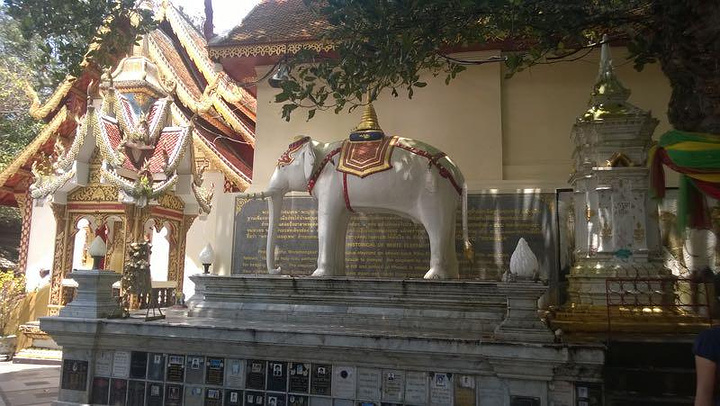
[{"x": 276, "y": 21}]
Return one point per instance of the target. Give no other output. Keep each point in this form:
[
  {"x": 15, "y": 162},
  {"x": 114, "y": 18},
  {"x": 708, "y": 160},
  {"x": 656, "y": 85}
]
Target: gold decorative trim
[
  {"x": 40, "y": 110},
  {"x": 240, "y": 51},
  {"x": 240, "y": 202},
  {"x": 208, "y": 99},
  {"x": 204, "y": 197},
  {"x": 42, "y": 137},
  {"x": 226, "y": 87}
]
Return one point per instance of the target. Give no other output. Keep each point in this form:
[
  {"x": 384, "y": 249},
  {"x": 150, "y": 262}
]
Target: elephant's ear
[{"x": 309, "y": 161}]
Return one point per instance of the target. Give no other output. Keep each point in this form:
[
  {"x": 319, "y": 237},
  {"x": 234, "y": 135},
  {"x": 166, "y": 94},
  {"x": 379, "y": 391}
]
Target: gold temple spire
[{"x": 369, "y": 121}]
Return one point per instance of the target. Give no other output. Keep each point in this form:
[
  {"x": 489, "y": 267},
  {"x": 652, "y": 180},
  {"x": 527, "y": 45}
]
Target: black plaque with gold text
[
  {"x": 215, "y": 373},
  {"x": 175, "y": 368},
  {"x": 388, "y": 245},
  {"x": 74, "y": 374}
]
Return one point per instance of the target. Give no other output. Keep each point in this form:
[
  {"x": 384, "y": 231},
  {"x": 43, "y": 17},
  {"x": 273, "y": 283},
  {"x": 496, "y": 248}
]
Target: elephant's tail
[{"x": 467, "y": 245}]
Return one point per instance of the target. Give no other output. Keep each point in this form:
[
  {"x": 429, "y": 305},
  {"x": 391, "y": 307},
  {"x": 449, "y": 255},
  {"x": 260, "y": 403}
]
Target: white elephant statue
[{"x": 409, "y": 178}]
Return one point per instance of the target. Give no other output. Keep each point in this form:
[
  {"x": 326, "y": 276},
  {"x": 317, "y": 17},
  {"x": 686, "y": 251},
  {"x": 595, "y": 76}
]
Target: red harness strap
[
  {"x": 316, "y": 174},
  {"x": 345, "y": 193}
]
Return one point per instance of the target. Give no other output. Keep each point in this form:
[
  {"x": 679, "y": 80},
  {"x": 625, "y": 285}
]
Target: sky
[{"x": 227, "y": 14}]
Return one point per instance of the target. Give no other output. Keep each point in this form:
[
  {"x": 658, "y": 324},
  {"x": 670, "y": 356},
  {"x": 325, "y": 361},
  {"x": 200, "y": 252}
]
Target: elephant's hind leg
[{"x": 440, "y": 226}]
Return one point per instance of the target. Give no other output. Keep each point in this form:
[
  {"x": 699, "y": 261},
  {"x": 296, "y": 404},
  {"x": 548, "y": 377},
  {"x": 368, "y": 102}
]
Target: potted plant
[{"x": 12, "y": 292}]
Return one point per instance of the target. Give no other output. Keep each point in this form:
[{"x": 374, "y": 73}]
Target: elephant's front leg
[{"x": 332, "y": 228}]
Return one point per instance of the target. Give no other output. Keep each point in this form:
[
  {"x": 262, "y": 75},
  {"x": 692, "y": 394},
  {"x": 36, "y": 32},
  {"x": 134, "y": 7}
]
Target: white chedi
[{"x": 523, "y": 262}]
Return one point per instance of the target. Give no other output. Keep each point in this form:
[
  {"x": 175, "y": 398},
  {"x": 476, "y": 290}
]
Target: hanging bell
[{"x": 281, "y": 74}]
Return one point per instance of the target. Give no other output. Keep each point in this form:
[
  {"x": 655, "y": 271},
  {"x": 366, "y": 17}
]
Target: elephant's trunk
[{"x": 275, "y": 211}]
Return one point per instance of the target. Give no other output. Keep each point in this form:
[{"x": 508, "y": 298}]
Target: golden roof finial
[{"x": 369, "y": 121}]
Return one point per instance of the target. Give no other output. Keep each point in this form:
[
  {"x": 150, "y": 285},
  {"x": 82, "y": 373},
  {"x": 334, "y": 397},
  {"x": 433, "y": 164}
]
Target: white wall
[{"x": 42, "y": 244}]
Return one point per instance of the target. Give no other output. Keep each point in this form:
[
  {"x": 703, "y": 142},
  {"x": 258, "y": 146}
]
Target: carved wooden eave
[{"x": 225, "y": 135}]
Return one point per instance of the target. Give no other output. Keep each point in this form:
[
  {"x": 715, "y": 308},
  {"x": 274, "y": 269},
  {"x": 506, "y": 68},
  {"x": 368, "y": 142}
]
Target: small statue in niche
[{"x": 136, "y": 281}]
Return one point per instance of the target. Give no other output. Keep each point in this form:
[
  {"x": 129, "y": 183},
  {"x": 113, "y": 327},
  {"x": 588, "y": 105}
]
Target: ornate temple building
[{"x": 143, "y": 151}]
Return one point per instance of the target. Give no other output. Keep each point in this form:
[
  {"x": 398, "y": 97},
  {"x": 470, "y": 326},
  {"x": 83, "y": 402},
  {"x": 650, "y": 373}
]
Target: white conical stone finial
[
  {"x": 97, "y": 248},
  {"x": 207, "y": 255},
  {"x": 523, "y": 263}
]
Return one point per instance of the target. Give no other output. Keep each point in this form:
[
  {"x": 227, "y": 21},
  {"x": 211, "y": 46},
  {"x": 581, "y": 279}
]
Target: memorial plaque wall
[
  {"x": 156, "y": 367},
  {"x": 235, "y": 373},
  {"x": 173, "y": 395},
  {"x": 195, "y": 366},
  {"x": 388, "y": 245},
  {"x": 321, "y": 379},
  {"x": 298, "y": 400},
  {"x": 255, "y": 374},
  {"x": 237, "y": 382},
  {"x": 233, "y": 397},
  {"x": 138, "y": 365},
  {"x": 176, "y": 368},
  {"x": 100, "y": 391},
  {"x": 215, "y": 371},
  {"x": 213, "y": 397},
  {"x": 103, "y": 363},
  {"x": 416, "y": 388},
  {"x": 277, "y": 376},
  {"x": 154, "y": 394},
  {"x": 118, "y": 392},
  {"x": 441, "y": 389},
  {"x": 136, "y": 393},
  {"x": 121, "y": 364},
  {"x": 74, "y": 374},
  {"x": 299, "y": 377},
  {"x": 193, "y": 396}
]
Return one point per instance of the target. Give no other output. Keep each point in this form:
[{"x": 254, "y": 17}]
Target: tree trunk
[{"x": 688, "y": 34}]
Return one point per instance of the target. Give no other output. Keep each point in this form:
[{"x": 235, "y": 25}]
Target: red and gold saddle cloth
[{"x": 363, "y": 158}]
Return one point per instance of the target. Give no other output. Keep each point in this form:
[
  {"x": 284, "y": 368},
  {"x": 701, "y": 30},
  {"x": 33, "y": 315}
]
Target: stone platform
[{"x": 305, "y": 341}]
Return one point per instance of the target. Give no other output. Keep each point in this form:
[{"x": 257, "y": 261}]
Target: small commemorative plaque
[
  {"x": 233, "y": 397},
  {"x": 298, "y": 400},
  {"x": 318, "y": 401},
  {"x": 173, "y": 395},
  {"x": 100, "y": 391},
  {"x": 368, "y": 384},
  {"x": 215, "y": 371},
  {"x": 275, "y": 399},
  {"x": 321, "y": 379},
  {"x": 193, "y": 396},
  {"x": 194, "y": 369},
  {"x": 154, "y": 394},
  {"x": 121, "y": 364},
  {"x": 138, "y": 365},
  {"x": 393, "y": 386},
  {"x": 416, "y": 388},
  {"x": 136, "y": 393},
  {"x": 213, "y": 396},
  {"x": 118, "y": 392},
  {"x": 156, "y": 367},
  {"x": 74, "y": 374},
  {"x": 175, "y": 368},
  {"x": 343, "y": 382},
  {"x": 235, "y": 374},
  {"x": 441, "y": 389},
  {"x": 277, "y": 377},
  {"x": 464, "y": 390},
  {"x": 255, "y": 375},
  {"x": 103, "y": 363},
  {"x": 253, "y": 398},
  {"x": 299, "y": 377}
]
